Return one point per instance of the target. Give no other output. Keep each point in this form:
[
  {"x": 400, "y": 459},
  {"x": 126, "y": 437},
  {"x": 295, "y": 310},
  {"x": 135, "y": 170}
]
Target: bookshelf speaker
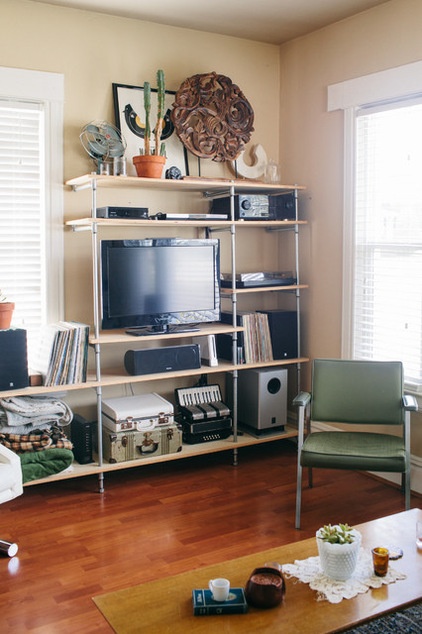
[
  {"x": 261, "y": 398},
  {"x": 13, "y": 359},
  {"x": 283, "y": 330},
  {"x": 167, "y": 359}
]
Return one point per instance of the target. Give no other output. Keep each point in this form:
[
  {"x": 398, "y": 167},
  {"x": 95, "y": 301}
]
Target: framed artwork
[{"x": 129, "y": 116}]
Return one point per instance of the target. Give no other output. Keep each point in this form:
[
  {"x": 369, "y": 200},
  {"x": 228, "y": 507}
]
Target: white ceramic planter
[{"x": 338, "y": 561}]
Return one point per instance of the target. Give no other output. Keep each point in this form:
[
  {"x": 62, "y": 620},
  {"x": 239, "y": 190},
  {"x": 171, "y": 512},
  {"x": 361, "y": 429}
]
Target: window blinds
[
  {"x": 387, "y": 302},
  {"x": 22, "y": 198}
]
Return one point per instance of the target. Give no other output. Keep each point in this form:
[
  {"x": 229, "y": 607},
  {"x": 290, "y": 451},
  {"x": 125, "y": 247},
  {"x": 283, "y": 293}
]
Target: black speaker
[
  {"x": 13, "y": 359},
  {"x": 283, "y": 330},
  {"x": 81, "y": 436},
  {"x": 283, "y": 207},
  {"x": 168, "y": 359}
]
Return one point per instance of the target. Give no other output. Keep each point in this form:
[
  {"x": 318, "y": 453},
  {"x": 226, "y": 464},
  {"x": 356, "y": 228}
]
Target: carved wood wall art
[{"x": 212, "y": 117}]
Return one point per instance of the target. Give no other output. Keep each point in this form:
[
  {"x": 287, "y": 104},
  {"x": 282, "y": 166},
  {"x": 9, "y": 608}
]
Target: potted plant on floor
[
  {"x": 6, "y": 311},
  {"x": 151, "y": 161},
  {"x": 338, "y": 549}
]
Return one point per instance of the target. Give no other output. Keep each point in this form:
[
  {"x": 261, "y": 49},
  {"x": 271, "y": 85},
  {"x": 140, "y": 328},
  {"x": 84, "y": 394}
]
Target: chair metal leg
[
  {"x": 310, "y": 478},
  {"x": 407, "y": 489},
  {"x": 298, "y": 494}
]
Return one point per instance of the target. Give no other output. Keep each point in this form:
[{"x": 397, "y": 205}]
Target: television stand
[{"x": 146, "y": 331}]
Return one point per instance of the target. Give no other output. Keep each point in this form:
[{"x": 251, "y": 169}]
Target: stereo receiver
[{"x": 258, "y": 207}]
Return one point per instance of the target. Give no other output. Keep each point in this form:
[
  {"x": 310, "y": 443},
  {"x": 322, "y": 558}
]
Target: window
[
  {"x": 382, "y": 302},
  {"x": 387, "y": 275},
  {"x": 31, "y": 196}
]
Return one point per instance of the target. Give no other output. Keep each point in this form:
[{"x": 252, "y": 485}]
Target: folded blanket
[
  {"x": 40, "y": 464},
  {"x": 23, "y": 414},
  {"x": 39, "y": 440}
]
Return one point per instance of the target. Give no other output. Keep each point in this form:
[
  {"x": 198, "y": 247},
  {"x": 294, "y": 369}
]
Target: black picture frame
[{"x": 129, "y": 113}]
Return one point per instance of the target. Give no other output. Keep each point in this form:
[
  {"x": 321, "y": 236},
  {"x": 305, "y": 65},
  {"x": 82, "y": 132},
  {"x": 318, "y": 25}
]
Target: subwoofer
[
  {"x": 262, "y": 398},
  {"x": 13, "y": 359},
  {"x": 168, "y": 359}
]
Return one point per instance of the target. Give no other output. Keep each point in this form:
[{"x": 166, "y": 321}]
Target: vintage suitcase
[
  {"x": 123, "y": 446},
  {"x": 136, "y": 413}
]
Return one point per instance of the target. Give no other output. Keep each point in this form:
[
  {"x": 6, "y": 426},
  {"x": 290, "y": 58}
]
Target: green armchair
[{"x": 358, "y": 393}]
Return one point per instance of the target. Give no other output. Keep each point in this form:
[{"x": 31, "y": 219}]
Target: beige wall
[
  {"x": 93, "y": 50},
  {"x": 311, "y": 147}
]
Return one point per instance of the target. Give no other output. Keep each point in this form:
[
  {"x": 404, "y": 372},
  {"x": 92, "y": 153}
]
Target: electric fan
[{"x": 102, "y": 141}]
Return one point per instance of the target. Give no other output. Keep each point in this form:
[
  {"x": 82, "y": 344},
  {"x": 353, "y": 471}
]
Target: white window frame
[
  {"x": 403, "y": 82},
  {"x": 48, "y": 88}
]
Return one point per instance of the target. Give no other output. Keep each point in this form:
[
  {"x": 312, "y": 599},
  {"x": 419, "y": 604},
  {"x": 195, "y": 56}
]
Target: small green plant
[
  {"x": 3, "y": 298},
  {"x": 337, "y": 534}
]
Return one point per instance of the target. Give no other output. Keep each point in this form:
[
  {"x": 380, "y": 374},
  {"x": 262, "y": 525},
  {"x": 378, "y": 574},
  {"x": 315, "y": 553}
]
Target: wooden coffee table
[{"x": 165, "y": 605}]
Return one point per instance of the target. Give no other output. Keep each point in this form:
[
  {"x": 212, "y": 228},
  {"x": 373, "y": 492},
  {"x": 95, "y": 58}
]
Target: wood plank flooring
[{"x": 161, "y": 520}]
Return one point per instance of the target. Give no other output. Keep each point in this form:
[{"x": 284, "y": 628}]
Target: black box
[
  {"x": 141, "y": 213},
  {"x": 81, "y": 432},
  {"x": 13, "y": 359},
  {"x": 283, "y": 330},
  {"x": 258, "y": 206},
  {"x": 166, "y": 359}
]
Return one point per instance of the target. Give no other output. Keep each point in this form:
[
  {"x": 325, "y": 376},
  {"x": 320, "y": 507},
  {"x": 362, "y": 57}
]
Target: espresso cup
[{"x": 220, "y": 589}]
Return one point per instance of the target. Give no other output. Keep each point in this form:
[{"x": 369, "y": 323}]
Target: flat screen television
[{"x": 159, "y": 285}]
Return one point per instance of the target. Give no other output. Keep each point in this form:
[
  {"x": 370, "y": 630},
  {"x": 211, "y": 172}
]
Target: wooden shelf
[
  {"x": 39, "y": 390},
  {"x": 120, "y": 336},
  {"x": 228, "y": 292},
  {"x": 112, "y": 377},
  {"x": 188, "y": 451},
  {"x": 115, "y": 377},
  {"x": 88, "y": 223},
  {"x": 204, "y": 185}
]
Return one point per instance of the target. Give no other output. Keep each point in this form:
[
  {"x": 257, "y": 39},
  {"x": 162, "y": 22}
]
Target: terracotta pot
[
  {"x": 6, "y": 313},
  {"x": 149, "y": 166}
]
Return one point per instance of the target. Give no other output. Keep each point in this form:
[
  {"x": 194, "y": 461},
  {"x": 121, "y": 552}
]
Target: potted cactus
[
  {"x": 6, "y": 311},
  {"x": 338, "y": 549},
  {"x": 150, "y": 162}
]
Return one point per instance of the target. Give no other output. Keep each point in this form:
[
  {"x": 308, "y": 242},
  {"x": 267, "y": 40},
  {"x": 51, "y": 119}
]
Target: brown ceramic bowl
[{"x": 265, "y": 588}]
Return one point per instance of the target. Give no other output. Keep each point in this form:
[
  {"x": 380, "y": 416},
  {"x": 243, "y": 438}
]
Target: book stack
[
  {"x": 204, "y": 604},
  {"x": 254, "y": 343},
  {"x": 63, "y": 353}
]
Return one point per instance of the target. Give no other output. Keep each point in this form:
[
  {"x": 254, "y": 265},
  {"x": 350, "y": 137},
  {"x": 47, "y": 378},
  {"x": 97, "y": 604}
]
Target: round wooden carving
[{"x": 212, "y": 117}]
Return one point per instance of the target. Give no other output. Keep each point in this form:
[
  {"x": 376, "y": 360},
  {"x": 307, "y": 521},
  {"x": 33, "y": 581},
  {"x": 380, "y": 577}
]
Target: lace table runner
[{"x": 309, "y": 571}]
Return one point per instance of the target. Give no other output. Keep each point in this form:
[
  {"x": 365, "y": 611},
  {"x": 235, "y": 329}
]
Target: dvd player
[
  {"x": 123, "y": 212},
  {"x": 249, "y": 280},
  {"x": 165, "y": 216}
]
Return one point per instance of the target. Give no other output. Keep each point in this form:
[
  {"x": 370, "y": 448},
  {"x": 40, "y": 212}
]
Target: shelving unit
[{"x": 106, "y": 378}]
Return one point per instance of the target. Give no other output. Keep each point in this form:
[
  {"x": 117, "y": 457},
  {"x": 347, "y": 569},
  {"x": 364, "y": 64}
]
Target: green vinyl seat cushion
[{"x": 354, "y": 450}]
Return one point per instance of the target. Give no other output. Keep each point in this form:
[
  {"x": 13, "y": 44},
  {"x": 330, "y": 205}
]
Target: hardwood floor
[{"x": 75, "y": 543}]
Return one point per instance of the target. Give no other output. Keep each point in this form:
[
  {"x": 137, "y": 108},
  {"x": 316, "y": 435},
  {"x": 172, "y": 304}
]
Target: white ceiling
[{"x": 272, "y": 21}]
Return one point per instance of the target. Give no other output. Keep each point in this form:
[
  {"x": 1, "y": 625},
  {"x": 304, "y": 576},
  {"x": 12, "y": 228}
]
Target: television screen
[{"x": 159, "y": 283}]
